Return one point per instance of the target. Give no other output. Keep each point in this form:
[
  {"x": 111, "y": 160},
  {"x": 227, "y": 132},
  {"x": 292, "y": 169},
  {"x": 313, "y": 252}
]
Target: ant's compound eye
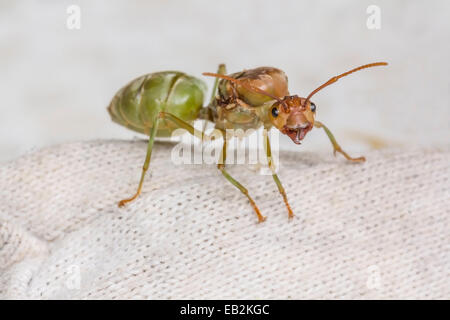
[
  {"x": 313, "y": 107},
  {"x": 275, "y": 112}
]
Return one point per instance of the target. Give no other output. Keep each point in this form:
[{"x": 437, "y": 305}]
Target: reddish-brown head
[{"x": 293, "y": 116}]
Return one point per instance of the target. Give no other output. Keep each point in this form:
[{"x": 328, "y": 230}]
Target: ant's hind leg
[
  {"x": 180, "y": 124},
  {"x": 146, "y": 163},
  {"x": 336, "y": 146}
]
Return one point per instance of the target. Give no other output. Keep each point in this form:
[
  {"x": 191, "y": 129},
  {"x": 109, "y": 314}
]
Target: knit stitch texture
[{"x": 361, "y": 231}]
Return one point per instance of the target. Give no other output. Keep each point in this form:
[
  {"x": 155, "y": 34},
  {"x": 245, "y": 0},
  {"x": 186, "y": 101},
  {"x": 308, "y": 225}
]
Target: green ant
[{"x": 158, "y": 103}]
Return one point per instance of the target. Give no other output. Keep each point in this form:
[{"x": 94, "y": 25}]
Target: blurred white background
[{"x": 55, "y": 83}]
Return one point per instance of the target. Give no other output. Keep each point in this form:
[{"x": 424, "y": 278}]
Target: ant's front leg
[{"x": 336, "y": 146}]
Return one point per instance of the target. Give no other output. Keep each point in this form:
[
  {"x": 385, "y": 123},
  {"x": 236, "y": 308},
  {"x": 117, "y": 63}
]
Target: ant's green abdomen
[{"x": 136, "y": 105}]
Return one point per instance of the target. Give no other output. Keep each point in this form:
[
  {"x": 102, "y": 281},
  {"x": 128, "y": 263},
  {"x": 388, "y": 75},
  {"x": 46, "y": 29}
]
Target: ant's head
[{"x": 293, "y": 116}]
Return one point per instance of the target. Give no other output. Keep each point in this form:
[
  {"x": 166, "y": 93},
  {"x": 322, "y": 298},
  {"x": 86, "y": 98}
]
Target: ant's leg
[
  {"x": 221, "y": 70},
  {"x": 146, "y": 163},
  {"x": 221, "y": 167},
  {"x": 181, "y": 124},
  {"x": 336, "y": 146},
  {"x": 274, "y": 175}
]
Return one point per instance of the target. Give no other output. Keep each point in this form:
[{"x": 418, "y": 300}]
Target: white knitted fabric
[{"x": 376, "y": 230}]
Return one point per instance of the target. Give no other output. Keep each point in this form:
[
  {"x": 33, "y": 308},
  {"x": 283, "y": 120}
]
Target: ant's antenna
[
  {"x": 336, "y": 78},
  {"x": 248, "y": 87}
]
